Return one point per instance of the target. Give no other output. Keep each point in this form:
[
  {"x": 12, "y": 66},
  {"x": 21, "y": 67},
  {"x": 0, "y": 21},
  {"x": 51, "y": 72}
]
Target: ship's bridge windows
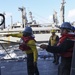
[
  {"x": 35, "y": 32},
  {"x": 44, "y": 32},
  {"x": 56, "y": 31},
  {"x": 41, "y": 32}
]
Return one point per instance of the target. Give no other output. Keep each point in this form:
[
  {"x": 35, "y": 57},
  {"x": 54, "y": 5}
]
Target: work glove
[{"x": 43, "y": 46}]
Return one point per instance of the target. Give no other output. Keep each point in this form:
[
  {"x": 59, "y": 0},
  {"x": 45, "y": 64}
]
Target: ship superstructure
[{"x": 38, "y": 29}]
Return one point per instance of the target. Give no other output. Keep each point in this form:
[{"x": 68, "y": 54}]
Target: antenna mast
[
  {"x": 62, "y": 11},
  {"x": 24, "y": 18},
  {"x": 55, "y": 18},
  {"x": 31, "y": 17}
]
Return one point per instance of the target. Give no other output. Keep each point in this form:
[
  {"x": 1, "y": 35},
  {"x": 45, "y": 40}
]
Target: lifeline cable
[
  {"x": 17, "y": 43},
  {"x": 33, "y": 45},
  {"x": 5, "y": 49}
]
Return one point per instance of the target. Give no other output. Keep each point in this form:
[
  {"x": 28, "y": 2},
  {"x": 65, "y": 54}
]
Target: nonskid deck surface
[
  {"x": 17, "y": 64},
  {"x": 18, "y": 67}
]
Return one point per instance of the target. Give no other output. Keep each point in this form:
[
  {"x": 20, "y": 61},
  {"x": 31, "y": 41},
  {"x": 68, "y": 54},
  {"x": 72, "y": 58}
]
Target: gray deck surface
[{"x": 14, "y": 67}]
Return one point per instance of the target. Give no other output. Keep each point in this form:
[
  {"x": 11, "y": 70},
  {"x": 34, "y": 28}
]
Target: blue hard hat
[
  {"x": 28, "y": 30},
  {"x": 66, "y": 25},
  {"x": 73, "y": 28}
]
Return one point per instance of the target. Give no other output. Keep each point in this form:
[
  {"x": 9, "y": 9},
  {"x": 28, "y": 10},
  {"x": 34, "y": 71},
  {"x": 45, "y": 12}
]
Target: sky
[{"x": 42, "y": 10}]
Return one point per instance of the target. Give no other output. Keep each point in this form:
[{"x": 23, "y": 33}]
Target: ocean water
[{"x": 11, "y": 51}]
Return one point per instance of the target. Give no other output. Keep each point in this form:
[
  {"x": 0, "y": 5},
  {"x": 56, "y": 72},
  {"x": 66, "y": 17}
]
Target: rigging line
[
  {"x": 41, "y": 16},
  {"x": 43, "y": 19},
  {"x": 40, "y": 19},
  {"x": 5, "y": 50},
  {"x": 32, "y": 44},
  {"x": 29, "y": 45},
  {"x": 18, "y": 43}
]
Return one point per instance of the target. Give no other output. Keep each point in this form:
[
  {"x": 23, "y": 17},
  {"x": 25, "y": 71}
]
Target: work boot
[{"x": 56, "y": 63}]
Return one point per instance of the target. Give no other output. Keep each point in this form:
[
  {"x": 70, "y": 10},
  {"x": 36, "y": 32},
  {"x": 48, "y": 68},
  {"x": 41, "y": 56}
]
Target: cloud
[{"x": 71, "y": 15}]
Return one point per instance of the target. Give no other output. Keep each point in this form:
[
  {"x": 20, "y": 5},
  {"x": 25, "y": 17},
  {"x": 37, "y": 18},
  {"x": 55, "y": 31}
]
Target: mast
[
  {"x": 31, "y": 17},
  {"x": 55, "y": 20},
  {"x": 11, "y": 21},
  {"x": 24, "y": 18},
  {"x": 62, "y": 11}
]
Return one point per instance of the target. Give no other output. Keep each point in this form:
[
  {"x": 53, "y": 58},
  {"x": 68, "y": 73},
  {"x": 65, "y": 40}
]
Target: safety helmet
[
  {"x": 28, "y": 30},
  {"x": 53, "y": 30},
  {"x": 66, "y": 25},
  {"x": 73, "y": 28}
]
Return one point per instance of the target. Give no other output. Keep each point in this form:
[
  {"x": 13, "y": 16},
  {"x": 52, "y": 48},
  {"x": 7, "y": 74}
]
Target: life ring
[{"x": 3, "y": 19}]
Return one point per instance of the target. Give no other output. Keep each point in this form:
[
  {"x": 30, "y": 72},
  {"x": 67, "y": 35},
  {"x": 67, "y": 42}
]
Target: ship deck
[{"x": 18, "y": 67}]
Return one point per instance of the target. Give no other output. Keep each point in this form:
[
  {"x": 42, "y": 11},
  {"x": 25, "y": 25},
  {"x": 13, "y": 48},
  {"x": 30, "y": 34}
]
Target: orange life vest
[{"x": 69, "y": 51}]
